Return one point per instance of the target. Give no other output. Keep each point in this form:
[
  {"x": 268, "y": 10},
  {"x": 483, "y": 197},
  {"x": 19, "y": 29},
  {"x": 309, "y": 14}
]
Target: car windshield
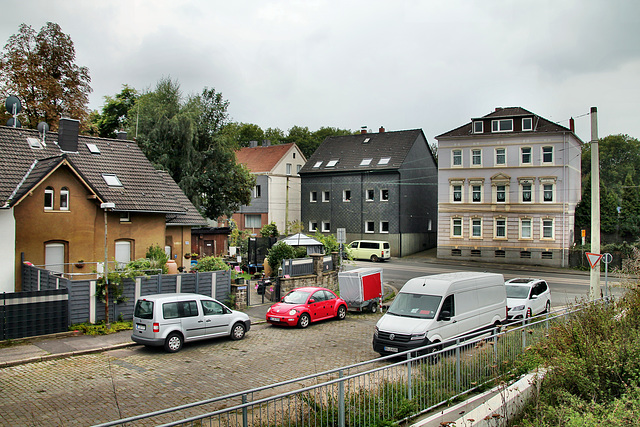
[
  {"x": 517, "y": 291},
  {"x": 296, "y": 297},
  {"x": 415, "y": 305}
]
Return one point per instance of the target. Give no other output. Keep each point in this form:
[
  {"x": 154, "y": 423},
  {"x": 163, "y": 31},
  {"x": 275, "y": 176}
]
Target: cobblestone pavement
[{"x": 101, "y": 387}]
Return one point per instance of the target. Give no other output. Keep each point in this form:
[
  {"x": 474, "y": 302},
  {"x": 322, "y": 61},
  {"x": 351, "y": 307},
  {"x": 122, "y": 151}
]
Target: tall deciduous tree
[
  {"x": 185, "y": 139},
  {"x": 114, "y": 113},
  {"x": 40, "y": 69}
]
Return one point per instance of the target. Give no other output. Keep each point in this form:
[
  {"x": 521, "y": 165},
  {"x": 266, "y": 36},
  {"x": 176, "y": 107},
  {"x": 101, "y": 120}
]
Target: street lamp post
[{"x": 106, "y": 206}]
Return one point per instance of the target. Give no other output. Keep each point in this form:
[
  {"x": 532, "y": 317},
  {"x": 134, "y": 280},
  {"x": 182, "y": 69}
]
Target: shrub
[
  {"x": 269, "y": 230},
  {"x": 278, "y": 252},
  {"x": 211, "y": 263}
]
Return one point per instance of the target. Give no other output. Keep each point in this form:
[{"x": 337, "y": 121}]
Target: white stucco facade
[{"x": 7, "y": 250}]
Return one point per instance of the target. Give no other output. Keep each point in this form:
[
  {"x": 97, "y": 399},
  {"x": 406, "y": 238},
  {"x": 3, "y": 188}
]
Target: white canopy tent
[{"x": 299, "y": 239}]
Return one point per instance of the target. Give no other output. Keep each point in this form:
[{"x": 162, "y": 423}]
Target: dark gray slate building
[{"x": 377, "y": 186}]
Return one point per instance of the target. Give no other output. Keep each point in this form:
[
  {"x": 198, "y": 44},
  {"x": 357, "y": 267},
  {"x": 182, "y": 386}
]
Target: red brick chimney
[
  {"x": 363, "y": 130},
  {"x": 572, "y": 125},
  {"x": 381, "y": 130}
]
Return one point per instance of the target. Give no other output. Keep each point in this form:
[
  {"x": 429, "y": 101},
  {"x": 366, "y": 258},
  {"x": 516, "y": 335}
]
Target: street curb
[{"x": 55, "y": 356}]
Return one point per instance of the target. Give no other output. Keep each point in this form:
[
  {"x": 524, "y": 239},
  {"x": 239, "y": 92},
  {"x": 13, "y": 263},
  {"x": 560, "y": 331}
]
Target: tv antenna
[
  {"x": 43, "y": 128},
  {"x": 13, "y": 107}
]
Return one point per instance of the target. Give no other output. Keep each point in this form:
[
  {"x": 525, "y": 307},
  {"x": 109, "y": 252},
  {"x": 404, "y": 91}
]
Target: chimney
[
  {"x": 266, "y": 143},
  {"x": 121, "y": 135},
  {"x": 572, "y": 125},
  {"x": 363, "y": 129},
  {"x": 381, "y": 130},
  {"x": 498, "y": 108},
  {"x": 68, "y": 134},
  {"x": 253, "y": 144}
]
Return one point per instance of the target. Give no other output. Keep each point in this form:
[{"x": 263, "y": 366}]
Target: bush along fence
[{"x": 37, "y": 309}]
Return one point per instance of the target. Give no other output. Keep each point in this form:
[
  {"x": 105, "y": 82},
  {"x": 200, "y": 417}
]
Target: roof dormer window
[
  {"x": 478, "y": 127},
  {"x": 527, "y": 124},
  {"x": 365, "y": 162},
  {"x": 332, "y": 163},
  {"x": 35, "y": 143},
  {"x": 502, "y": 125},
  {"x": 111, "y": 180}
]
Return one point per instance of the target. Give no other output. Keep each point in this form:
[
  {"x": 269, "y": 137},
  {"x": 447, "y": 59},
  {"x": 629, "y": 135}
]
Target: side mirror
[
  {"x": 534, "y": 297},
  {"x": 311, "y": 301},
  {"x": 445, "y": 316}
]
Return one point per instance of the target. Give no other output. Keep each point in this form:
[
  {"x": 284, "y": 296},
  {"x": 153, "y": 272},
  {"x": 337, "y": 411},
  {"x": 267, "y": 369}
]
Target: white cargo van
[{"x": 441, "y": 308}]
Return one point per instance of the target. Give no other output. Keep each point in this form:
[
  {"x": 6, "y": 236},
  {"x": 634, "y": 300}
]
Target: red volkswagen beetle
[{"x": 302, "y": 306}]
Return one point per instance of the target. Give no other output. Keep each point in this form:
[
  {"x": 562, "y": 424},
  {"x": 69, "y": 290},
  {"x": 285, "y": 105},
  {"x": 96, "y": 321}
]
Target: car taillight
[{"x": 156, "y": 327}]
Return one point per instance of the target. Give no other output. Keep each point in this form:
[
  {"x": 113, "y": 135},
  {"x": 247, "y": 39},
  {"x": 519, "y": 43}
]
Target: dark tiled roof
[
  {"x": 192, "y": 216},
  {"x": 350, "y": 150},
  {"x": 262, "y": 159},
  {"x": 143, "y": 190},
  {"x": 540, "y": 124}
]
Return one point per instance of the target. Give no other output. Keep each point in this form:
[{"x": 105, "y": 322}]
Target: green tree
[
  {"x": 243, "y": 133},
  {"x": 114, "y": 113},
  {"x": 630, "y": 209},
  {"x": 269, "y": 230},
  {"x": 309, "y": 141},
  {"x": 40, "y": 69},
  {"x": 185, "y": 139},
  {"x": 608, "y": 209}
]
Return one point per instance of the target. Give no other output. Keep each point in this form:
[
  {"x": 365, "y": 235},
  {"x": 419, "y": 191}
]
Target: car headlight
[
  {"x": 293, "y": 312},
  {"x": 416, "y": 337},
  {"x": 518, "y": 308}
]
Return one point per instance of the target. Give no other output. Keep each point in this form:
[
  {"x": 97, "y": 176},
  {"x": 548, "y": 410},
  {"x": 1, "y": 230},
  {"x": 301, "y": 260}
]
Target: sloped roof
[
  {"x": 300, "y": 239},
  {"x": 262, "y": 159},
  {"x": 142, "y": 190},
  {"x": 540, "y": 124},
  {"x": 191, "y": 216},
  {"x": 387, "y": 151}
]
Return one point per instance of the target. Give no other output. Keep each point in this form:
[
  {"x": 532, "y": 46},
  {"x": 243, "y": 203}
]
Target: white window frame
[
  {"x": 521, "y": 190},
  {"x": 497, "y": 227},
  {"x": 544, "y": 190},
  {"x": 522, "y": 154},
  {"x": 298, "y": 167},
  {"x": 372, "y": 192},
  {"x": 543, "y": 228},
  {"x": 476, "y": 154},
  {"x": 384, "y": 160},
  {"x": 369, "y": 227},
  {"x": 253, "y": 217},
  {"x": 318, "y": 164},
  {"x": 456, "y": 153},
  {"x": 289, "y": 167},
  {"x": 366, "y": 162},
  {"x": 112, "y": 180},
  {"x": 479, "y": 129},
  {"x": 527, "y": 128},
  {"x": 326, "y": 227},
  {"x": 472, "y": 187},
  {"x": 506, "y": 193},
  {"x": 326, "y": 196},
  {"x": 522, "y": 228},
  {"x": 475, "y": 225},
  {"x": 344, "y": 196},
  {"x": 382, "y": 193},
  {"x": 382, "y": 227},
  {"x": 125, "y": 216},
  {"x": 542, "y": 154},
  {"x": 313, "y": 225},
  {"x": 257, "y": 191},
  {"x": 453, "y": 186},
  {"x": 498, "y": 125},
  {"x": 64, "y": 199},
  {"x": 313, "y": 196},
  {"x": 504, "y": 155},
  {"x": 457, "y": 222},
  {"x": 49, "y": 193},
  {"x": 332, "y": 163}
]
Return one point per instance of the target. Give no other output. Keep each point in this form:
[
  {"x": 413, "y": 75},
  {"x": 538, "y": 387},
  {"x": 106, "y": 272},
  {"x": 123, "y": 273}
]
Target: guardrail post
[
  {"x": 340, "y": 401},
  {"x": 524, "y": 335},
  {"x": 458, "y": 373},
  {"x": 410, "y": 394},
  {"x": 245, "y": 418},
  {"x": 496, "y": 331}
]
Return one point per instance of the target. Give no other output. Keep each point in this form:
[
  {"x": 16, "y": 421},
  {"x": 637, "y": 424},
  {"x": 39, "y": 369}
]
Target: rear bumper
[{"x": 147, "y": 341}]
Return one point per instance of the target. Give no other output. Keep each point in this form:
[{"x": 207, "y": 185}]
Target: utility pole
[{"x": 594, "y": 292}]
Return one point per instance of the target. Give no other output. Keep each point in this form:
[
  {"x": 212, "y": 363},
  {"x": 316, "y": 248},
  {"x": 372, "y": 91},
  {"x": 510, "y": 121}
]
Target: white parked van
[
  {"x": 170, "y": 320},
  {"x": 441, "y": 308},
  {"x": 373, "y": 250}
]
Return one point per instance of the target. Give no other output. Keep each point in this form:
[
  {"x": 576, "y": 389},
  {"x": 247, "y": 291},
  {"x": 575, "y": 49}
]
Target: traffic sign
[{"x": 593, "y": 259}]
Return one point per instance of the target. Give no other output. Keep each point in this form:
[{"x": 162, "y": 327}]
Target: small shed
[{"x": 299, "y": 239}]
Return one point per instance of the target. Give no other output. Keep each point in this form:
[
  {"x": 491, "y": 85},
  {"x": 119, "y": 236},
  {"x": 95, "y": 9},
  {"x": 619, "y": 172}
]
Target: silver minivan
[{"x": 170, "y": 320}]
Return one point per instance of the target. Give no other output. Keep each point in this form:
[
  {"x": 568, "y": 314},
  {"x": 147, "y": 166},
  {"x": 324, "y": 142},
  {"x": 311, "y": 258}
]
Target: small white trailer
[{"x": 362, "y": 288}]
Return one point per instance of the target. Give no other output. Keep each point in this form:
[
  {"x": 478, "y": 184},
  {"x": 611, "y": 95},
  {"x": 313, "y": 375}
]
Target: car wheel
[
  {"x": 237, "y": 332},
  {"x": 374, "y": 258},
  {"x": 342, "y": 312},
  {"x": 373, "y": 307},
  {"x": 173, "y": 343},
  {"x": 304, "y": 320}
]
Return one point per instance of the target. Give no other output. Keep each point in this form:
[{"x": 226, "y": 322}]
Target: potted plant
[
  {"x": 187, "y": 255},
  {"x": 80, "y": 263}
]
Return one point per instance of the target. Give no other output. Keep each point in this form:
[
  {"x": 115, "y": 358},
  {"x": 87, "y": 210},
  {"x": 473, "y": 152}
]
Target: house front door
[{"x": 54, "y": 257}]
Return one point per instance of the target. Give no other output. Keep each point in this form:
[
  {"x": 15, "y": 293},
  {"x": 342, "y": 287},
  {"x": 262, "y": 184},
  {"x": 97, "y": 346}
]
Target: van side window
[
  {"x": 189, "y": 309},
  {"x": 448, "y": 305},
  {"x": 170, "y": 310},
  {"x": 211, "y": 307},
  {"x": 173, "y": 310}
]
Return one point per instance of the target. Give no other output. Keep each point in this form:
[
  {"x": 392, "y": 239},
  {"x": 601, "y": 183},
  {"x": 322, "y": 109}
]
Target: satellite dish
[
  {"x": 14, "y": 123},
  {"x": 13, "y": 105},
  {"x": 43, "y": 127}
]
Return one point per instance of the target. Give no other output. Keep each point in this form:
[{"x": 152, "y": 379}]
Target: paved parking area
[{"x": 101, "y": 387}]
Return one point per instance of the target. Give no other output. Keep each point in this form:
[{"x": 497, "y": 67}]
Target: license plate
[
  {"x": 391, "y": 349},
  {"x": 274, "y": 319},
  {"x": 141, "y": 327}
]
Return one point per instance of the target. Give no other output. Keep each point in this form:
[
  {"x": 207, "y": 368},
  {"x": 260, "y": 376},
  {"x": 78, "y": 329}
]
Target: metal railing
[{"x": 391, "y": 388}]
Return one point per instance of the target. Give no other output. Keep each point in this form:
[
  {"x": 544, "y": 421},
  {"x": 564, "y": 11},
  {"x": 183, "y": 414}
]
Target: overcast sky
[{"x": 403, "y": 64}]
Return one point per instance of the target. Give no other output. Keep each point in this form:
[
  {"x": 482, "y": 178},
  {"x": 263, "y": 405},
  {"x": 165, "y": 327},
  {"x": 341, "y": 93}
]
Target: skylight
[
  {"x": 35, "y": 143},
  {"x": 366, "y": 140},
  {"x": 384, "y": 161},
  {"x": 365, "y": 162},
  {"x": 93, "y": 148},
  {"x": 111, "y": 180},
  {"x": 332, "y": 163},
  {"x": 317, "y": 165}
]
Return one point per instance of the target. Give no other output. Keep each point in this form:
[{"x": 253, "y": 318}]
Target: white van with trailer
[{"x": 440, "y": 309}]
